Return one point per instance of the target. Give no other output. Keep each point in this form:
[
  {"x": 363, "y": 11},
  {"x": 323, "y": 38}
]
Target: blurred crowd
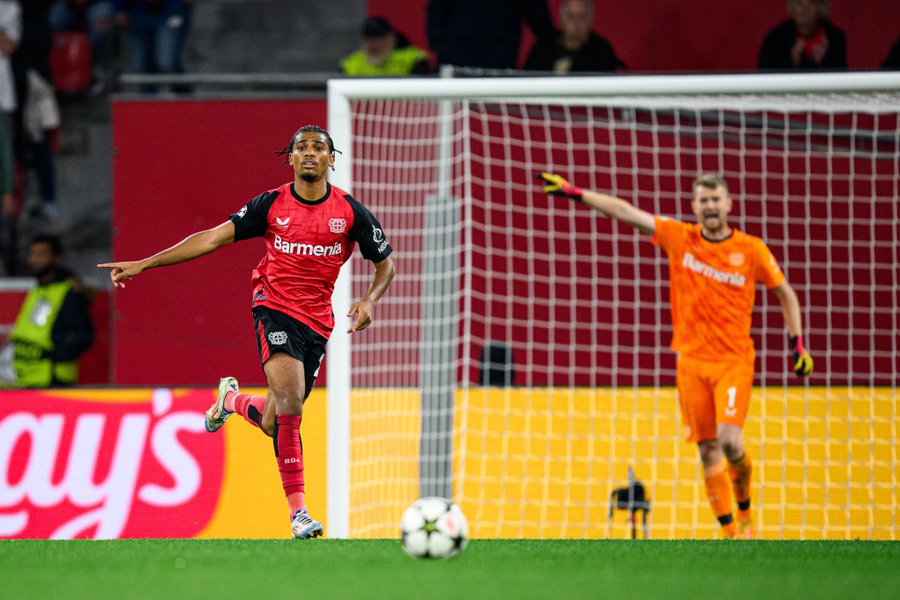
[
  {"x": 57, "y": 49},
  {"x": 487, "y": 34}
]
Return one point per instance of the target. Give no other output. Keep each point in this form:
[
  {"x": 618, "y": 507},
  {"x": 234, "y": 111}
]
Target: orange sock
[
  {"x": 740, "y": 472},
  {"x": 718, "y": 490}
]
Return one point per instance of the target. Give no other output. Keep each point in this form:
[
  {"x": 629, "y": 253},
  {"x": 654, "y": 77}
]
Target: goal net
[{"x": 520, "y": 363}]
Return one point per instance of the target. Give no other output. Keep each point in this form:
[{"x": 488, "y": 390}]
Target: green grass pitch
[{"x": 170, "y": 569}]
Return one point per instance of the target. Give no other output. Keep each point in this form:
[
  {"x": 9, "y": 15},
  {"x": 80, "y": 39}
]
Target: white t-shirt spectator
[{"x": 11, "y": 26}]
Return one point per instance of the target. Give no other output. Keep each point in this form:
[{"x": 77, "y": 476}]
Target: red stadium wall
[{"x": 703, "y": 35}]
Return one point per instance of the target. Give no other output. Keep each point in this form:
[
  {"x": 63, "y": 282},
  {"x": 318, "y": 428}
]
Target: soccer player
[
  {"x": 712, "y": 268},
  {"x": 310, "y": 228}
]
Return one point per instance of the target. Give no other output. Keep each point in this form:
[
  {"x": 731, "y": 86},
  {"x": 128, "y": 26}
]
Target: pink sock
[
  {"x": 248, "y": 406},
  {"x": 289, "y": 453}
]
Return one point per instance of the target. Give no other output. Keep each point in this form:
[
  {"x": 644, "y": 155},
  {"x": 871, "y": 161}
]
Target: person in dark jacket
[
  {"x": 485, "y": 34},
  {"x": 54, "y": 327},
  {"x": 576, "y": 47},
  {"x": 808, "y": 40},
  {"x": 892, "y": 60}
]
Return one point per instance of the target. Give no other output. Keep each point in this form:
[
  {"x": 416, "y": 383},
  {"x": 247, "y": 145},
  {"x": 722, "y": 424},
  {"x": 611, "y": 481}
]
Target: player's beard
[
  {"x": 713, "y": 224},
  {"x": 309, "y": 177},
  {"x": 715, "y": 227}
]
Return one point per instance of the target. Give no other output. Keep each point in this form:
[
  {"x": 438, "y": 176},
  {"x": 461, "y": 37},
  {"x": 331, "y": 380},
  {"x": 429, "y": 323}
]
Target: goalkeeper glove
[
  {"x": 803, "y": 362},
  {"x": 558, "y": 186}
]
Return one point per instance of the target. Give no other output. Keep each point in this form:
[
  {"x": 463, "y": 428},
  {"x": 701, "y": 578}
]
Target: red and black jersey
[{"x": 307, "y": 241}]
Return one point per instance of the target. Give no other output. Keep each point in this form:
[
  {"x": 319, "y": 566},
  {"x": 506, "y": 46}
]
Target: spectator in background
[
  {"x": 484, "y": 33},
  {"x": 10, "y": 34},
  {"x": 384, "y": 51},
  {"x": 156, "y": 32},
  {"x": 54, "y": 327},
  {"x": 892, "y": 60},
  {"x": 37, "y": 116},
  {"x": 95, "y": 18},
  {"x": 576, "y": 47},
  {"x": 808, "y": 40}
]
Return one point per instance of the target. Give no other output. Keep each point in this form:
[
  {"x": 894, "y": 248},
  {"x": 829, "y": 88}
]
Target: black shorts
[{"x": 278, "y": 332}]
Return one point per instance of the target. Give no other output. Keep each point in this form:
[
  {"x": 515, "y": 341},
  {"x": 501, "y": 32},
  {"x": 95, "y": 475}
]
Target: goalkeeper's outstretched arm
[
  {"x": 802, "y": 362},
  {"x": 611, "y": 206}
]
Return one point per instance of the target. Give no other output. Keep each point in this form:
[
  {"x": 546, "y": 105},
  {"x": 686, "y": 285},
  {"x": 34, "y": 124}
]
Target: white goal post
[{"x": 520, "y": 361}]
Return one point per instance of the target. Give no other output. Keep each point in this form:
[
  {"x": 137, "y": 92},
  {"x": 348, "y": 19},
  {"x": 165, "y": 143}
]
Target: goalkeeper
[{"x": 713, "y": 269}]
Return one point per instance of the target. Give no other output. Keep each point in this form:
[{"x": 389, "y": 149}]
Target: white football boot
[
  {"x": 304, "y": 526},
  {"x": 217, "y": 414}
]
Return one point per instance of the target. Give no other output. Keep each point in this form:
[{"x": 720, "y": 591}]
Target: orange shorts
[{"x": 710, "y": 393}]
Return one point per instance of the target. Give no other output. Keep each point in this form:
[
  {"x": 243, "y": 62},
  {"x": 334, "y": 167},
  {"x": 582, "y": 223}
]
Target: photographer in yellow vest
[
  {"x": 54, "y": 327},
  {"x": 384, "y": 51}
]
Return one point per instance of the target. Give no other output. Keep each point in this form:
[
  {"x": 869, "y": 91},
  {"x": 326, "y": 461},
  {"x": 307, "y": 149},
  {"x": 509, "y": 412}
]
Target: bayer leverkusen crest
[{"x": 337, "y": 225}]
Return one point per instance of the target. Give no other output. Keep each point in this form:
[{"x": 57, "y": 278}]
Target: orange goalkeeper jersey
[{"x": 712, "y": 288}]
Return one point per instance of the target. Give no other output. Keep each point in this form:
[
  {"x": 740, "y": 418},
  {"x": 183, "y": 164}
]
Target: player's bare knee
[
  {"x": 732, "y": 448},
  {"x": 289, "y": 402},
  {"x": 727, "y": 446},
  {"x": 710, "y": 451},
  {"x": 730, "y": 442}
]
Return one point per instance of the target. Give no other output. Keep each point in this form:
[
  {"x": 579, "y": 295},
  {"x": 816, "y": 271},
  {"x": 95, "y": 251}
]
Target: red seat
[{"x": 70, "y": 61}]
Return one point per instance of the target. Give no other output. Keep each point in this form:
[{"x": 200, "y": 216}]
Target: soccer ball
[{"x": 434, "y": 527}]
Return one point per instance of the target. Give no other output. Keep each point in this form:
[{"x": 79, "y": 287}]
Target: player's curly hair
[{"x": 315, "y": 129}]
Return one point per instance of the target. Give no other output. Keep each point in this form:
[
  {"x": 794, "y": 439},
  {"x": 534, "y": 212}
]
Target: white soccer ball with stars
[{"x": 434, "y": 527}]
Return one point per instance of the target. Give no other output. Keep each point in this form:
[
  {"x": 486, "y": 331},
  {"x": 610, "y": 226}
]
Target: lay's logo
[{"x": 107, "y": 466}]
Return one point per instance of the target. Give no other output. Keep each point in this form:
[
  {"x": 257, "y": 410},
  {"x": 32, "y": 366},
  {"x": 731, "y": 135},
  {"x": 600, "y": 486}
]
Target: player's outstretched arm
[
  {"x": 611, "y": 206},
  {"x": 802, "y": 362},
  {"x": 196, "y": 244},
  {"x": 365, "y": 306}
]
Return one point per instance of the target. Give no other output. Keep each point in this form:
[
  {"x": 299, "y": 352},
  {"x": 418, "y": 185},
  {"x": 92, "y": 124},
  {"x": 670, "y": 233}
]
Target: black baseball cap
[{"x": 376, "y": 27}]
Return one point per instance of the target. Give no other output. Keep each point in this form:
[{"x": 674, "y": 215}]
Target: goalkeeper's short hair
[{"x": 710, "y": 181}]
